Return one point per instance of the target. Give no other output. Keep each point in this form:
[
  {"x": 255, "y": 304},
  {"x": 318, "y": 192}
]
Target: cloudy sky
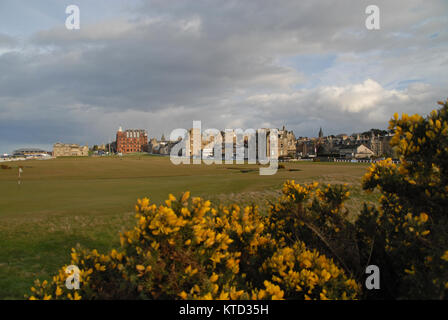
[{"x": 159, "y": 65}]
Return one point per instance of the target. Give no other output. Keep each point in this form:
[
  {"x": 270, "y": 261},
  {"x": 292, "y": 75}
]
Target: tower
[{"x": 321, "y": 133}]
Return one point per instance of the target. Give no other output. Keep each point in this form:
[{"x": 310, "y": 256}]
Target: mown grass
[{"x": 87, "y": 201}]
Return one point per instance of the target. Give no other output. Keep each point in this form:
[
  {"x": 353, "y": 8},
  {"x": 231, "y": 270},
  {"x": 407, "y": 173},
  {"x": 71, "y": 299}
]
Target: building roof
[
  {"x": 72, "y": 145},
  {"x": 29, "y": 150}
]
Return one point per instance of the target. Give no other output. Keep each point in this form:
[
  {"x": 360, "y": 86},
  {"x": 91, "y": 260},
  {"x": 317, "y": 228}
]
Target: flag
[{"x": 18, "y": 178}]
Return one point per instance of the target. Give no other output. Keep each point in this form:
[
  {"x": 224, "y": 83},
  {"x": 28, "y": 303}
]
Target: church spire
[{"x": 321, "y": 133}]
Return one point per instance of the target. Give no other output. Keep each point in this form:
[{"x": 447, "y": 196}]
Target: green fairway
[{"x": 66, "y": 201}]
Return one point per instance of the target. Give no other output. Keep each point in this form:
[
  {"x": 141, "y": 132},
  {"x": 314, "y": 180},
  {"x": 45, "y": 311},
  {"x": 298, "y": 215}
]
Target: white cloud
[{"x": 351, "y": 107}]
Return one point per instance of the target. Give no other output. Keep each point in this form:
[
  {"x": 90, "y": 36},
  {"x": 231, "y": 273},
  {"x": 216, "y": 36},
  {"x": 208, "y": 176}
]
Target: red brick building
[{"x": 130, "y": 141}]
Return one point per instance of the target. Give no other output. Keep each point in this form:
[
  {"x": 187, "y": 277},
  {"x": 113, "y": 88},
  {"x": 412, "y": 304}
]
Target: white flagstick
[{"x": 20, "y": 171}]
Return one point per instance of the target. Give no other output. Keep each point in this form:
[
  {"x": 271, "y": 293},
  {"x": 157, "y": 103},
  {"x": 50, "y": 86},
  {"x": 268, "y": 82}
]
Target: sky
[{"x": 158, "y": 65}]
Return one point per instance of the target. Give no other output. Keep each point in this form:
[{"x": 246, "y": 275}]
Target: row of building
[
  {"x": 59, "y": 150},
  {"x": 356, "y": 146},
  {"x": 373, "y": 144}
]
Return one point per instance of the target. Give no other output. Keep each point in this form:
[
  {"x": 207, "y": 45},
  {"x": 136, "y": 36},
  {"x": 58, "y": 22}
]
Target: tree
[
  {"x": 376, "y": 132},
  {"x": 407, "y": 233}
]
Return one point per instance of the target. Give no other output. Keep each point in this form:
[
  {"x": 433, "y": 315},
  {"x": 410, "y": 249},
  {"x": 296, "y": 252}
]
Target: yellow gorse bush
[
  {"x": 408, "y": 232},
  {"x": 188, "y": 249}
]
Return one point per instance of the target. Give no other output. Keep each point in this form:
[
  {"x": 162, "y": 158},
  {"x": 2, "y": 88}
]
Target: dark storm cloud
[
  {"x": 6, "y": 41},
  {"x": 151, "y": 65}
]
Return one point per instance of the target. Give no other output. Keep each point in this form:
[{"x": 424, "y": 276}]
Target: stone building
[
  {"x": 287, "y": 146},
  {"x": 132, "y": 140},
  {"x": 306, "y": 147},
  {"x": 70, "y": 150},
  {"x": 153, "y": 145},
  {"x": 380, "y": 145},
  {"x": 356, "y": 152}
]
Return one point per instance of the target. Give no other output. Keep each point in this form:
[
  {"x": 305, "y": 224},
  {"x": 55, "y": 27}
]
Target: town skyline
[
  {"x": 49, "y": 147},
  {"x": 373, "y": 143}
]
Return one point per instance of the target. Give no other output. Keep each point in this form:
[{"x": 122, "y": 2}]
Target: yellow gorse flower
[{"x": 204, "y": 249}]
